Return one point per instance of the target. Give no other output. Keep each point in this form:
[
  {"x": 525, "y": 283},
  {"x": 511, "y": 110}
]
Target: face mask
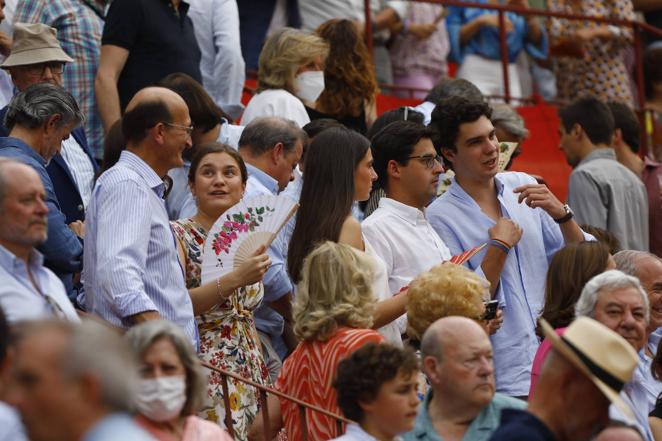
[
  {"x": 309, "y": 85},
  {"x": 161, "y": 399}
]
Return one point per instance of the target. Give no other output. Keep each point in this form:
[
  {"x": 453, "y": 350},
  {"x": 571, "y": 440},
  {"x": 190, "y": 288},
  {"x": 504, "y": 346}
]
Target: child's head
[{"x": 377, "y": 387}]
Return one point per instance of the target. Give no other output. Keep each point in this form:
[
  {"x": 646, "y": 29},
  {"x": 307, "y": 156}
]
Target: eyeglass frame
[
  {"x": 38, "y": 69},
  {"x": 428, "y": 160},
  {"x": 188, "y": 129}
]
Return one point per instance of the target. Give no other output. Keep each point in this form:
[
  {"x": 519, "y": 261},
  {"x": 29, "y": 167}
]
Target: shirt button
[{"x": 80, "y": 207}]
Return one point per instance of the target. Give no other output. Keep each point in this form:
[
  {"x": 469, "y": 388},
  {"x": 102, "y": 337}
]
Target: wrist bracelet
[
  {"x": 499, "y": 245},
  {"x": 218, "y": 288},
  {"x": 504, "y": 243}
]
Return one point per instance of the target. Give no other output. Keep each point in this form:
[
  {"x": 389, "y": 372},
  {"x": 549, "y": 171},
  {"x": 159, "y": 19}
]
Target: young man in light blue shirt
[{"x": 467, "y": 214}]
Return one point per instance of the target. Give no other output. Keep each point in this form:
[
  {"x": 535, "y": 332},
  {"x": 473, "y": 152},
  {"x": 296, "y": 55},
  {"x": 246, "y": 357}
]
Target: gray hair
[
  {"x": 142, "y": 336},
  {"x": 608, "y": 281},
  {"x": 509, "y": 120},
  {"x": 262, "y": 134},
  {"x": 34, "y": 106},
  {"x": 626, "y": 261},
  {"x": 431, "y": 345},
  {"x": 91, "y": 349}
]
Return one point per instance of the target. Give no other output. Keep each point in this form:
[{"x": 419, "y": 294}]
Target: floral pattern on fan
[{"x": 238, "y": 222}]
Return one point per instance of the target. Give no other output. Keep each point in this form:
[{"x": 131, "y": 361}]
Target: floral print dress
[{"x": 228, "y": 339}]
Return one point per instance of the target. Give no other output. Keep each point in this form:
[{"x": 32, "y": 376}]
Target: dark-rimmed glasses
[{"x": 428, "y": 161}]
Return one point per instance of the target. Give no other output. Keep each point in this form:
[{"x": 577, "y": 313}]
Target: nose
[
  {"x": 413, "y": 398},
  {"x": 47, "y": 73},
  {"x": 628, "y": 319},
  {"x": 42, "y": 208},
  {"x": 438, "y": 167},
  {"x": 373, "y": 174},
  {"x": 486, "y": 366}
]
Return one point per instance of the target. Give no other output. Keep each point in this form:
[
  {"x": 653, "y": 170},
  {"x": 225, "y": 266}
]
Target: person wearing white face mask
[
  {"x": 290, "y": 75},
  {"x": 172, "y": 387}
]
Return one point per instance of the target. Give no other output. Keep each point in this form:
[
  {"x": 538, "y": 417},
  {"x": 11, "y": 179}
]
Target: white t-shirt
[
  {"x": 275, "y": 102},
  {"x": 391, "y": 332}
]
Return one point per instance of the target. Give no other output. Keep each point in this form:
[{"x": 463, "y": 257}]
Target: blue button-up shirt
[
  {"x": 650, "y": 387},
  {"x": 486, "y": 41},
  {"x": 276, "y": 280},
  {"x": 63, "y": 250},
  {"x": 19, "y": 298},
  {"x": 462, "y": 225},
  {"x": 131, "y": 263}
]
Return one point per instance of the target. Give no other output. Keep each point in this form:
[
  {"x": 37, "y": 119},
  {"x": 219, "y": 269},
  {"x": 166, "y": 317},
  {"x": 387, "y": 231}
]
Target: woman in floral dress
[{"x": 223, "y": 308}]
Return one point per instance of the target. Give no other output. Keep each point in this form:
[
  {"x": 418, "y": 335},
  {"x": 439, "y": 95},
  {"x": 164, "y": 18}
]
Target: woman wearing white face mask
[
  {"x": 290, "y": 75},
  {"x": 172, "y": 387}
]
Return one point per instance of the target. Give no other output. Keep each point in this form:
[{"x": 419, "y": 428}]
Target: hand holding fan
[{"x": 241, "y": 230}]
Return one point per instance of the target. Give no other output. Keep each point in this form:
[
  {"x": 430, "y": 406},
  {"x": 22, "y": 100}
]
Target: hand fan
[
  {"x": 241, "y": 230},
  {"x": 506, "y": 150}
]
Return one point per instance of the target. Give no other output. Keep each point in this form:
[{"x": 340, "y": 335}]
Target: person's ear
[
  {"x": 158, "y": 132},
  {"x": 277, "y": 152},
  {"x": 367, "y": 407},
  {"x": 393, "y": 169},
  {"x": 617, "y": 137},
  {"x": 52, "y": 123},
  {"x": 577, "y": 131},
  {"x": 448, "y": 155},
  {"x": 429, "y": 367}
]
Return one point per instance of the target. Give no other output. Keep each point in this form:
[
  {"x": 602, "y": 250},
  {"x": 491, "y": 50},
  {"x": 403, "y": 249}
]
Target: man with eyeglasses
[
  {"x": 38, "y": 58},
  {"x": 131, "y": 270},
  {"x": 28, "y": 290},
  {"x": 478, "y": 202}
]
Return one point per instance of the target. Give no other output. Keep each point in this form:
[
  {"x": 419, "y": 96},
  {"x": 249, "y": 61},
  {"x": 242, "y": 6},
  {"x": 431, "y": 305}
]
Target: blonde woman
[
  {"x": 332, "y": 316},
  {"x": 290, "y": 75},
  {"x": 446, "y": 290}
]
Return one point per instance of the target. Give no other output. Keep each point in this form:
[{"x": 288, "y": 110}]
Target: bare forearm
[
  {"x": 108, "y": 101},
  {"x": 207, "y": 296},
  {"x": 388, "y": 310},
  {"x": 571, "y": 232},
  {"x": 470, "y": 29},
  {"x": 283, "y": 306},
  {"x": 492, "y": 265},
  {"x": 535, "y": 30},
  {"x": 145, "y": 317}
]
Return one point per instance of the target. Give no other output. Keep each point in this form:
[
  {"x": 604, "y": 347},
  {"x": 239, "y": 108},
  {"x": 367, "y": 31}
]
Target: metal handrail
[
  {"x": 263, "y": 390},
  {"x": 637, "y": 28}
]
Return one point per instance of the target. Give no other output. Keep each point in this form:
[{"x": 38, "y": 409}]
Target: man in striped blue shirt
[{"x": 131, "y": 269}]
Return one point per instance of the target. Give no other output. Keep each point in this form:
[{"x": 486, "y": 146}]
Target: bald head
[
  {"x": 8, "y": 170},
  {"x": 448, "y": 332},
  {"x": 149, "y": 107}
]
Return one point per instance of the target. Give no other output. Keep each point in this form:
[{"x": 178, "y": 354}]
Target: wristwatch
[{"x": 569, "y": 214}]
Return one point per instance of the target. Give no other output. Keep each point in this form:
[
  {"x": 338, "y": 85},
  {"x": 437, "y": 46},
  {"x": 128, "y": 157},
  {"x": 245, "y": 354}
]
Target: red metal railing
[
  {"x": 263, "y": 391},
  {"x": 637, "y": 29}
]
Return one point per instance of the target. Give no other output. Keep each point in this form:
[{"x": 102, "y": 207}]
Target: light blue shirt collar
[
  {"x": 9, "y": 261},
  {"x": 135, "y": 162},
  {"x": 270, "y": 183}
]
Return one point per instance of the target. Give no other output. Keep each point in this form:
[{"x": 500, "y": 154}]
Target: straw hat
[
  {"x": 600, "y": 353},
  {"x": 34, "y": 43}
]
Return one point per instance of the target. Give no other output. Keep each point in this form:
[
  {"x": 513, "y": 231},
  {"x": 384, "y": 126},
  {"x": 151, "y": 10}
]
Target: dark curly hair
[
  {"x": 359, "y": 376},
  {"x": 451, "y": 113},
  {"x": 349, "y": 78}
]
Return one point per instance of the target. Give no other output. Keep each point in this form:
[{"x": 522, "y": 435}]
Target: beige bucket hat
[
  {"x": 600, "y": 353},
  {"x": 34, "y": 43}
]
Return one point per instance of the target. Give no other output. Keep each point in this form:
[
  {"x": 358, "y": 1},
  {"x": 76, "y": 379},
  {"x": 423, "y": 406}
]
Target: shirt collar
[
  {"x": 456, "y": 189},
  {"x": 406, "y": 212},
  {"x": 648, "y": 162},
  {"x": 599, "y": 153},
  {"x": 22, "y": 146},
  {"x": 263, "y": 178},
  {"x": 9, "y": 261},
  {"x": 135, "y": 162},
  {"x": 423, "y": 428}
]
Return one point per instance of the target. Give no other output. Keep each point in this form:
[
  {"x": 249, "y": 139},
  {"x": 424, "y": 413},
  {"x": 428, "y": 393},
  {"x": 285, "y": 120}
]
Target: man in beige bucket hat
[{"x": 582, "y": 376}]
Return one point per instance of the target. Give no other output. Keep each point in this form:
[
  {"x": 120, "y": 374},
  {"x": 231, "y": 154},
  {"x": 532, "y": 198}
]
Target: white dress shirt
[
  {"x": 275, "y": 102},
  {"x": 403, "y": 238},
  {"x": 216, "y": 26},
  {"x": 19, "y": 298},
  {"x": 354, "y": 432},
  {"x": 80, "y": 166}
]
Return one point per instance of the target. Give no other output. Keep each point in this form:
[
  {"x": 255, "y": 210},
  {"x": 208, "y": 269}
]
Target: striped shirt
[
  {"x": 79, "y": 25},
  {"x": 308, "y": 375},
  {"x": 130, "y": 259},
  {"x": 80, "y": 166}
]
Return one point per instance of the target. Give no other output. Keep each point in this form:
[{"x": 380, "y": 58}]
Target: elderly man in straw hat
[{"x": 584, "y": 373}]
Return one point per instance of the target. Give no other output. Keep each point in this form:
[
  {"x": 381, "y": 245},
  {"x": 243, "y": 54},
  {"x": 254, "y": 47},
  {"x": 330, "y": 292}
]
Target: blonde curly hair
[
  {"x": 335, "y": 291},
  {"x": 282, "y": 55},
  {"x": 445, "y": 290}
]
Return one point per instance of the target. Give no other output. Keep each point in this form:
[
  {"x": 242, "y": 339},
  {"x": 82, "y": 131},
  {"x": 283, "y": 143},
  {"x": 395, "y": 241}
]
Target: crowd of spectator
[{"x": 421, "y": 291}]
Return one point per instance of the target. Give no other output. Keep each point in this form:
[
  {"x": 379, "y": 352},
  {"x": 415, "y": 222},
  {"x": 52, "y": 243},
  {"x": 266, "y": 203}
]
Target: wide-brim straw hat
[
  {"x": 605, "y": 357},
  {"x": 35, "y": 43}
]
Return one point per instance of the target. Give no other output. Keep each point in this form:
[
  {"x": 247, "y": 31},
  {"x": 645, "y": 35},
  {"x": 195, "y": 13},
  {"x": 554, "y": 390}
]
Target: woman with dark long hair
[
  {"x": 350, "y": 85},
  {"x": 339, "y": 172}
]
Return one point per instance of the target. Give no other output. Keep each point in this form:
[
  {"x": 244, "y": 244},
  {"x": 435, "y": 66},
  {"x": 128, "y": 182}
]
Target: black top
[
  {"x": 356, "y": 123},
  {"x": 159, "y": 41},
  {"x": 654, "y": 18},
  {"x": 520, "y": 425},
  {"x": 657, "y": 410}
]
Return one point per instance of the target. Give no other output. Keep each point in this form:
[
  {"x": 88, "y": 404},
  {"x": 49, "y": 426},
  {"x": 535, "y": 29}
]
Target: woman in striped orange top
[{"x": 332, "y": 316}]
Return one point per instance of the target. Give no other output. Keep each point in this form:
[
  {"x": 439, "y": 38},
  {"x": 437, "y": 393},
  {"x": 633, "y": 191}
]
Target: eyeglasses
[
  {"x": 56, "y": 68},
  {"x": 429, "y": 161},
  {"x": 187, "y": 129}
]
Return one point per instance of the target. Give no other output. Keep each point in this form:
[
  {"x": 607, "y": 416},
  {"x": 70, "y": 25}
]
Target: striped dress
[{"x": 308, "y": 375}]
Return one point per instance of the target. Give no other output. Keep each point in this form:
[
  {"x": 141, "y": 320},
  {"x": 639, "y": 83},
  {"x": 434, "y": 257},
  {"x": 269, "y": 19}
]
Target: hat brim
[
  {"x": 569, "y": 354},
  {"x": 36, "y": 56}
]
